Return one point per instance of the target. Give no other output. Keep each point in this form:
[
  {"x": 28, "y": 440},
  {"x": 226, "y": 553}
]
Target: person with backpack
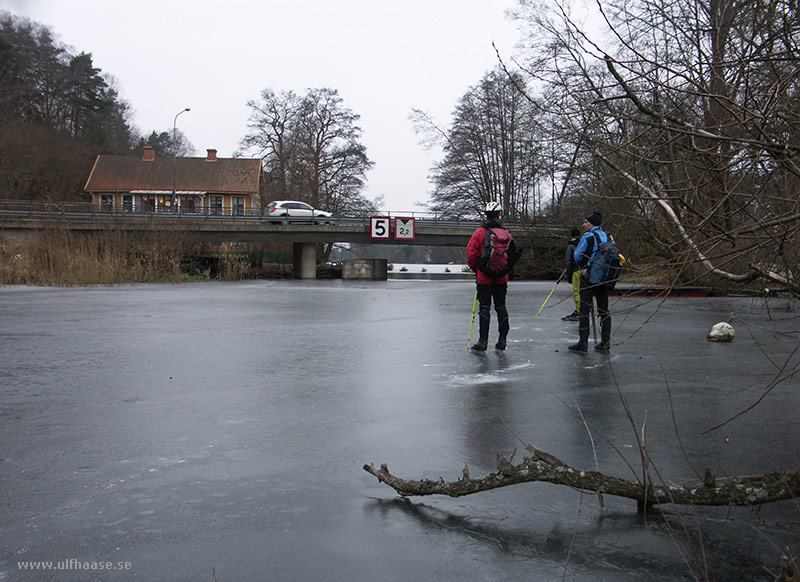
[
  {"x": 491, "y": 253},
  {"x": 588, "y": 257},
  {"x": 573, "y": 274}
]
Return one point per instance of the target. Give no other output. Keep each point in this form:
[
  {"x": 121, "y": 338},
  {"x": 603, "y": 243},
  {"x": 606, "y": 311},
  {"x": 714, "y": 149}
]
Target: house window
[
  {"x": 188, "y": 204},
  {"x": 107, "y": 202},
  {"x": 237, "y": 205},
  {"x": 127, "y": 203},
  {"x": 215, "y": 204},
  {"x": 149, "y": 204}
]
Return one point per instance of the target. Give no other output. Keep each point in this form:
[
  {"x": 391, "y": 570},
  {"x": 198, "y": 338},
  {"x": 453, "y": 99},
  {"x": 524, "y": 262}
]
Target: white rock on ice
[{"x": 721, "y": 332}]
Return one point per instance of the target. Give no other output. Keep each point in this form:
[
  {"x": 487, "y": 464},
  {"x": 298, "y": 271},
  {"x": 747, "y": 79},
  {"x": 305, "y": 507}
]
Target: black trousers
[
  {"x": 486, "y": 295},
  {"x": 599, "y": 293}
]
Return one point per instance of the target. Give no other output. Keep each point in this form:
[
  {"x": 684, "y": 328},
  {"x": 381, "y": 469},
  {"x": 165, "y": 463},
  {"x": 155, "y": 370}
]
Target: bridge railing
[
  {"x": 52, "y": 209},
  {"x": 33, "y": 207},
  {"x": 75, "y": 211}
]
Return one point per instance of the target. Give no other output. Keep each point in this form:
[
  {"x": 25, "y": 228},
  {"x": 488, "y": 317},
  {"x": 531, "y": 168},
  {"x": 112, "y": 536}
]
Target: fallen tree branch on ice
[{"x": 544, "y": 467}]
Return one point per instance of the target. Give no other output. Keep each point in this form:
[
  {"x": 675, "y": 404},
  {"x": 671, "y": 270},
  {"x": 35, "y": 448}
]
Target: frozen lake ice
[{"x": 217, "y": 431}]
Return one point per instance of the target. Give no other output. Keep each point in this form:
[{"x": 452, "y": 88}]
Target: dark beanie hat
[
  {"x": 575, "y": 232},
  {"x": 595, "y": 218}
]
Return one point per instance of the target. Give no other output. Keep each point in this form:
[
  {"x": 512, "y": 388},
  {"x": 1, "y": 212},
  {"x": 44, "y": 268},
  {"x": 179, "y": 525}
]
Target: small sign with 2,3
[{"x": 404, "y": 228}]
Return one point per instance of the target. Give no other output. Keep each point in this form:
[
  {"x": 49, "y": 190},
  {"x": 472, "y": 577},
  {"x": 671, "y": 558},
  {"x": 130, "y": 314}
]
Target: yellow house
[{"x": 209, "y": 185}]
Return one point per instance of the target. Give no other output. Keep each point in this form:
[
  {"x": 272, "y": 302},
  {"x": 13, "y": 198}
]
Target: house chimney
[
  {"x": 149, "y": 154},
  {"x": 212, "y": 156}
]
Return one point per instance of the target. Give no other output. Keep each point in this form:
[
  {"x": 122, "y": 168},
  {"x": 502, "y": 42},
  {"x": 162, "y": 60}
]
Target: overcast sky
[{"x": 384, "y": 58}]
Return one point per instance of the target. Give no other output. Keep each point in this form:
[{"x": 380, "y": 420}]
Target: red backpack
[{"x": 494, "y": 258}]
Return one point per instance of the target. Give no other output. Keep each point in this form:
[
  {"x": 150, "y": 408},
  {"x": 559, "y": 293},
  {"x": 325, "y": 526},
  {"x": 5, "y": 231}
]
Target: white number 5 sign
[{"x": 379, "y": 227}]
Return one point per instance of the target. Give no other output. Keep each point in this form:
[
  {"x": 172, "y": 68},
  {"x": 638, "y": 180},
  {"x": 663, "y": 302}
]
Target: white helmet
[{"x": 493, "y": 207}]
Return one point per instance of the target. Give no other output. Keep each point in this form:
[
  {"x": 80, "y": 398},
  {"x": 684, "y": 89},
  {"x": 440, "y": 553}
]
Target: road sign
[
  {"x": 379, "y": 227},
  {"x": 404, "y": 229}
]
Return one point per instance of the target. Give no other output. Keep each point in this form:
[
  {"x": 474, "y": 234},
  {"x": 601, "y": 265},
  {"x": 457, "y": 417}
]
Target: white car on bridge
[{"x": 294, "y": 211}]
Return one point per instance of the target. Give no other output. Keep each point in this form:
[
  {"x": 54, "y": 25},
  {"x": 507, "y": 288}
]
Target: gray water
[{"x": 217, "y": 431}]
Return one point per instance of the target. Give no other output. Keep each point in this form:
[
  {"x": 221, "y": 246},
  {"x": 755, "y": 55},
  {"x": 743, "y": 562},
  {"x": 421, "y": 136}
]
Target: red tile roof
[{"x": 127, "y": 173}]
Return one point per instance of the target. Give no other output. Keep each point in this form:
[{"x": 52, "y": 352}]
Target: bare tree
[
  {"x": 310, "y": 146},
  {"x": 492, "y": 151},
  {"x": 166, "y": 145},
  {"x": 688, "y": 122},
  {"x": 272, "y": 136}
]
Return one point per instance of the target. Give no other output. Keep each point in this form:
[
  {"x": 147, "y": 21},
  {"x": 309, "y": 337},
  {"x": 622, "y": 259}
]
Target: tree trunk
[{"x": 743, "y": 491}]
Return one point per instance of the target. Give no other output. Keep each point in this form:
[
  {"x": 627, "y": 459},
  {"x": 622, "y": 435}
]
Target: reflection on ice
[
  {"x": 475, "y": 380},
  {"x": 503, "y": 374}
]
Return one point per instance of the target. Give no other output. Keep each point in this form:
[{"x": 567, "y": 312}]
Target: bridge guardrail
[
  {"x": 89, "y": 211},
  {"x": 40, "y": 208}
]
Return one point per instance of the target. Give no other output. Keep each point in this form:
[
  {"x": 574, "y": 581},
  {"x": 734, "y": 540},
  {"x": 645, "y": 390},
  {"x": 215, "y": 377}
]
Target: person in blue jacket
[{"x": 585, "y": 253}]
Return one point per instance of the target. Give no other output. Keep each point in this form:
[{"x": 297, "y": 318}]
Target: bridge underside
[{"x": 304, "y": 237}]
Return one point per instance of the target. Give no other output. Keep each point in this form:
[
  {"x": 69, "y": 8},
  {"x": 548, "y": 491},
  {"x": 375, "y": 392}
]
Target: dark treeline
[{"x": 57, "y": 112}]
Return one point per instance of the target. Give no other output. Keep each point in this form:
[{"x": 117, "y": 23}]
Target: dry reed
[{"x": 60, "y": 258}]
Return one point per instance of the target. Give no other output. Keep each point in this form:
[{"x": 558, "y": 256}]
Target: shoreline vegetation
[
  {"x": 61, "y": 259},
  {"x": 56, "y": 258}
]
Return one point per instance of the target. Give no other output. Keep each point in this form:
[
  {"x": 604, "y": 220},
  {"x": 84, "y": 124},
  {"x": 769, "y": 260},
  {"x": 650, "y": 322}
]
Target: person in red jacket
[{"x": 491, "y": 287}]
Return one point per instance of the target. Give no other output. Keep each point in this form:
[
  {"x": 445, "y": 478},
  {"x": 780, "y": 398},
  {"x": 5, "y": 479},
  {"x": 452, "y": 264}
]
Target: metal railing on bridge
[
  {"x": 75, "y": 211},
  {"x": 85, "y": 210}
]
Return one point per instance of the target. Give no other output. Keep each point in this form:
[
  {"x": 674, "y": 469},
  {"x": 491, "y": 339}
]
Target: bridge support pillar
[{"x": 304, "y": 261}]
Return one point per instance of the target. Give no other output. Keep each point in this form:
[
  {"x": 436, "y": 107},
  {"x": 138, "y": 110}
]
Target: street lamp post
[{"x": 175, "y": 157}]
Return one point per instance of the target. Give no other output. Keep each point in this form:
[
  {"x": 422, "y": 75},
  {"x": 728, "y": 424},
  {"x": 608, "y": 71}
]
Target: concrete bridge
[{"x": 25, "y": 218}]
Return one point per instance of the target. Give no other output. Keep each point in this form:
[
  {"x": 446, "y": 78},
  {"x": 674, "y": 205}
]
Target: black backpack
[{"x": 496, "y": 258}]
